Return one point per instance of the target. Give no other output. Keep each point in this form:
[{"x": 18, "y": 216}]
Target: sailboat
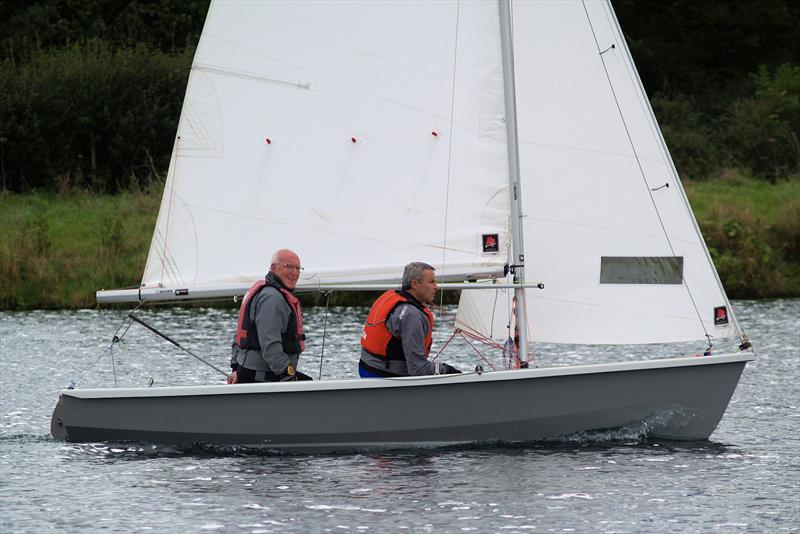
[{"x": 509, "y": 144}]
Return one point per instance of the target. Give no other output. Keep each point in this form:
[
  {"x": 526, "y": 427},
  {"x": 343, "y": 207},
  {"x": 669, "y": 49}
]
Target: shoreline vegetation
[{"x": 56, "y": 250}]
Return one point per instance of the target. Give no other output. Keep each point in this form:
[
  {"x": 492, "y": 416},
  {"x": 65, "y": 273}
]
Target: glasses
[{"x": 291, "y": 267}]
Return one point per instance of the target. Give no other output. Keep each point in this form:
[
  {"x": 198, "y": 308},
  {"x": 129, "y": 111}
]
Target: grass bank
[
  {"x": 752, "y": 229},
  {"x": 57, "y": 250}
]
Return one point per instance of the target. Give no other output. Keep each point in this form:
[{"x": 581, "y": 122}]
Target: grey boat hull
[{"x": 681, "y": 399}]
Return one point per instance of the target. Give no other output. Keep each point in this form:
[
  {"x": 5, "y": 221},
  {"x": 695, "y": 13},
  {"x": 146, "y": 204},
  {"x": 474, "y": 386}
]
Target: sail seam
[
  {"x": 639, "y": 164},
  {"x": 345, "y": 84}
]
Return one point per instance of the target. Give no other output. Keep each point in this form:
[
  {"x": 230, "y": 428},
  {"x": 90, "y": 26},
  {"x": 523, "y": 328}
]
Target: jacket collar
[
  {"x": 275, "y": 280},
  {"x": 411, "y": 299}
]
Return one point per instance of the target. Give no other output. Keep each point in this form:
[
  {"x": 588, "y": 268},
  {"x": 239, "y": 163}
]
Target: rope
[
  {"x": 444, "y": 346},
  {"x": 471, "y": 333},
  {"x": 478, "y": 352},
  {"x": 324, "y": 330}
]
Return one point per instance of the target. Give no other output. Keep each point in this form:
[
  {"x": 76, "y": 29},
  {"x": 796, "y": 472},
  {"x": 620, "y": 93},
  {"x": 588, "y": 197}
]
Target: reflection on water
[{"x": 744, "y": 479}]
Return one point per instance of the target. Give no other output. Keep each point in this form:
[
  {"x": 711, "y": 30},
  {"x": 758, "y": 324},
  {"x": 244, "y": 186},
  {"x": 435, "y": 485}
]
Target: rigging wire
[
  {"x": 639, "y": 162},
  {"x": 324, "y": 331},
  {"x": 450, "y": 146},
  {"x": 113, "y": 365},
  {"x": 126, "y": 322},
  {"x": 470, "y": 333}
]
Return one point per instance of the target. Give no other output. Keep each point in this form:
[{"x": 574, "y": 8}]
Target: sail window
[{"x": 641, "y": 270}]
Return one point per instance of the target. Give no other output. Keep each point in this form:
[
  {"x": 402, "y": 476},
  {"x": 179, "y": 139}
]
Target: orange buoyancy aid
[
  {"x": 292, "y": 339},
  {"x": 377, "y": 339}
]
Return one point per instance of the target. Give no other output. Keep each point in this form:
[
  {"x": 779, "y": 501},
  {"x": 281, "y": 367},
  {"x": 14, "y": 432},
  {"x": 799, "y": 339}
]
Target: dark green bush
[
  {"x": 171, "y": 26},
  {"x": 762, "y": 132},
  {"x": 750, "y": 261},
  {"x": 691, "y": 138},
  {"x": 90, "y": 116}
]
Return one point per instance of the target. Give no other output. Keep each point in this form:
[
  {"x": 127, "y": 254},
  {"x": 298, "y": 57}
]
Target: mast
[{"x": 517, "y": 242}]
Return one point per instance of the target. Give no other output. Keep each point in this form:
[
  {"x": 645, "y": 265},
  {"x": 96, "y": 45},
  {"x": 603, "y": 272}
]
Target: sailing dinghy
[{"x": 501, "y": 142}]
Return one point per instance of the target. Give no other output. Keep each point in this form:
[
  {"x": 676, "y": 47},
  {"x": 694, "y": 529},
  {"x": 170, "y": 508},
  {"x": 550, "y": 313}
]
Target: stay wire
[
  {"x": 324, "y": 331},
  {"x": 113, "y": 366},
  {"x": 126, "y": 323}
]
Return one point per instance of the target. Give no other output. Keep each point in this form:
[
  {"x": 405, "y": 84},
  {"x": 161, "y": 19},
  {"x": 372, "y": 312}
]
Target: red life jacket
[
  {"x": 292, "y": 339},
  {"x": 376, "y": 338}
]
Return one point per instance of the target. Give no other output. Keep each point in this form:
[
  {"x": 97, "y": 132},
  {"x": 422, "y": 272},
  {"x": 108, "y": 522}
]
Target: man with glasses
[{"x": 269, "y": 335}]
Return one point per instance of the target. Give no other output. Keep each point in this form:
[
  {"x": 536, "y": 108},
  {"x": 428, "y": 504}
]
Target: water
[{"x": 745, "y": 478}]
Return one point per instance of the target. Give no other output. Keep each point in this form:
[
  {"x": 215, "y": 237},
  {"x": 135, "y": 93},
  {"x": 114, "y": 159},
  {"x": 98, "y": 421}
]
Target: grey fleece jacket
[
  {"x": 409, "y": 324},
  {"x": 270, "y": 313}
]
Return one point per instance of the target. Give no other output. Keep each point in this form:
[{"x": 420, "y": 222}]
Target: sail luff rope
[
  {"x": 639, "y": 165},
  {"x": 169, "y": 206},
  {"x": 450, "y": 146}
]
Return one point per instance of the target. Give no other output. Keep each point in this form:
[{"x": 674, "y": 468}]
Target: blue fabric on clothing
[{"x": 363, "y": 373}]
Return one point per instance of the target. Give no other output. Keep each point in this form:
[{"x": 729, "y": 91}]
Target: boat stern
[{"x": 57, "y": 428}]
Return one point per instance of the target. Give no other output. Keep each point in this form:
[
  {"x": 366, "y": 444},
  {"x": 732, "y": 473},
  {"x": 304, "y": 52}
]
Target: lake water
[{"x": 746, "y": 478}]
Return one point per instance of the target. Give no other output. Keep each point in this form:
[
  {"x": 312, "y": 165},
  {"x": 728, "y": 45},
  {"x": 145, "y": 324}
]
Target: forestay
[
  {"x": 366, "y": 137},
  {"x": 600, "y": 195}
]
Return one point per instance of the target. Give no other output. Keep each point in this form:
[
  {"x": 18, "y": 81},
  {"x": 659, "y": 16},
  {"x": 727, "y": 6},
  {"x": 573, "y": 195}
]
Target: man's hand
[
  {"x": 233, "y": 378},
  {"x": 289, "y": 375}
]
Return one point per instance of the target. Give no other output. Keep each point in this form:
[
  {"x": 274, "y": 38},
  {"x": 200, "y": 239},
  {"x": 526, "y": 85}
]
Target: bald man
[{"x": 269, "y": 335}]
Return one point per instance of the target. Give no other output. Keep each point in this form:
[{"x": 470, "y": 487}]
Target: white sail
[
  {"x": 618, "y": 251},
  {"x": 369, "y": 136}
]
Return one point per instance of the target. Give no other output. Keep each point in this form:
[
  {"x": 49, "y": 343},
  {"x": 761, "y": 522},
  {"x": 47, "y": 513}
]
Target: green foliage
[
  {"x": 55, "y": 252},
  {"x": 89, "y": 116},
  {"x": 722, "y": 77},
  {"x": 757, "y": 133},
  {"x": 786, "y": 230},
  {"x": 761, "y": 131},
  {"x": 91, "y": 90},
  {"x": 690, "y": 136},
  {"x": 171, "y": 26},
  {"x": 752, "y": 230},
  {"x": 708, "y": 49}
]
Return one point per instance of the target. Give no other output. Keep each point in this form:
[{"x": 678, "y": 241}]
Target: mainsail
[
  {"x": 607, "y": 226},
  {"x": 366, "y": 137}
]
